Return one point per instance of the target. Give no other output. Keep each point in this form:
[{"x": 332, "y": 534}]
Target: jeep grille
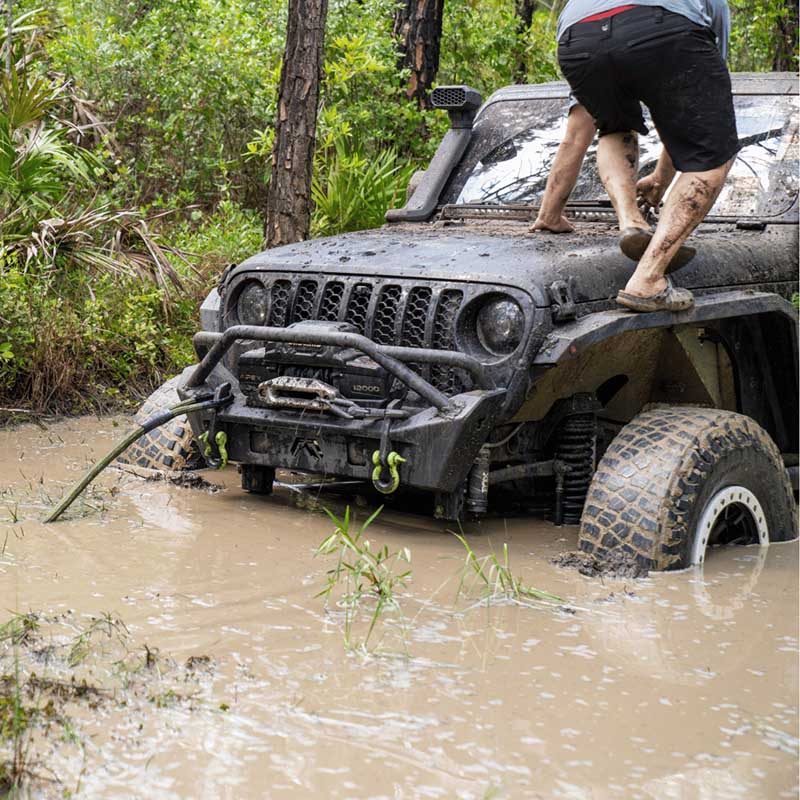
[{"x": 390, "y": 312}]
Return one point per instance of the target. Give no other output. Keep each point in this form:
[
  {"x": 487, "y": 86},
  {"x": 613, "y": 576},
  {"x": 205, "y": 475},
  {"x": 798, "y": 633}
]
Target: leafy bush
[
  {"x": 191, "y": 85},
  {"x": 78, "y": 342},
  {"x": 755, "y": 25},
  {"x": 351, "y": 191},
  {"x": 88, "y": 300},
  {"x": 228, "y": 235},
  {"x": 186, "y": 83}
]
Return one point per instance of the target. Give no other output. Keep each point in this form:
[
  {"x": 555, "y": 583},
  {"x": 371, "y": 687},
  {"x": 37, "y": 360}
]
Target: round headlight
[
  {"x": 252, "y": 305},
  {"x": 500, "y": 324}
]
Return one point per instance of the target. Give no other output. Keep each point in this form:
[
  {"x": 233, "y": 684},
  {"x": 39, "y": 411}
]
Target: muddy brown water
[{"x": 675, "y": 686}]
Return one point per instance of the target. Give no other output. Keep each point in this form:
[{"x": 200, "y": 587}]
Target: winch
[{"x": 354, "y": 375}]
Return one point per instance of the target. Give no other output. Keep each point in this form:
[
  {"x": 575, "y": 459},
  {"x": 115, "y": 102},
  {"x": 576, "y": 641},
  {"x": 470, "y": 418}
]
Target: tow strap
[{"x": 222, "y": 396}]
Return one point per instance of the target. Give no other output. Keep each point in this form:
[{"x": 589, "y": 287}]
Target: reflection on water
[
  {"x": 676, "y": 686},
  {"x": 509, "y": 163}
]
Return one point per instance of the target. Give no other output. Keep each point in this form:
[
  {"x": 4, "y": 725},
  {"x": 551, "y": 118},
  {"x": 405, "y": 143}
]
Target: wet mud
[
  {"x": 207, "y": 666},
  {"x": 614, "y": 564}
]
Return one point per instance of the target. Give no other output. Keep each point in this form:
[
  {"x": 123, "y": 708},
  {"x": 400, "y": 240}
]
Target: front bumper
[{"x": 439, "y": 440}]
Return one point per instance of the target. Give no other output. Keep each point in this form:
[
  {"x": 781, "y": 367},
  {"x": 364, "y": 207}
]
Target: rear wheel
[
  {"x": 170, "y": 447},
  {"x": 677, "y": 480}
]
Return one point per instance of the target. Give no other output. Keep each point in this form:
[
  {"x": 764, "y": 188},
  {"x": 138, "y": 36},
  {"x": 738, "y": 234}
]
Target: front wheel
[
  {"x": 170, "y": 447},
  {"x": 677, "y": 480}
]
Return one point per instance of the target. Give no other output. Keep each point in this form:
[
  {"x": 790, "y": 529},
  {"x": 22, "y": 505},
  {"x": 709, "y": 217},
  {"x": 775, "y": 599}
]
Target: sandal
[
  {"x": 634, "y": 241},
  {"x": 669, "y": 298}
]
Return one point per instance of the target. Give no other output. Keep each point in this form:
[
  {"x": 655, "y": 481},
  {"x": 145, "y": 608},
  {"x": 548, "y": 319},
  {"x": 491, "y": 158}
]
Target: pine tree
[
  {"x": 288, "y": 213},
  {"x": 418, "y": 34}
]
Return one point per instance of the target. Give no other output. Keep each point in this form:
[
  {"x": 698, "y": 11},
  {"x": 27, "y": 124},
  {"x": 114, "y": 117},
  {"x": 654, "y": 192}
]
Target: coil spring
[{"x": 576, "y": 448}]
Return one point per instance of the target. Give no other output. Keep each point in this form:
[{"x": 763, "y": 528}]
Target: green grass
[
  {"x": 364, "y": 576},
  {"x": 492, "y": 578},
  {"x": 50, "y": 665},
  {"x": 15, "y": 717},
  {"x": 83, "y": 644}
]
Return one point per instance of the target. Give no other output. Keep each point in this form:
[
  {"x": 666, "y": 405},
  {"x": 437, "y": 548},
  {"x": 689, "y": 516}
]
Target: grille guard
[{"x": 391, "y": 358}]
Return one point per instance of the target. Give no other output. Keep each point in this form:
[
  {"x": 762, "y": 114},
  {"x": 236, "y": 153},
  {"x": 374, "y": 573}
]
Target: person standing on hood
[
  {"x": 580, "y": 133},
  {"x": 662, "y": 53}
]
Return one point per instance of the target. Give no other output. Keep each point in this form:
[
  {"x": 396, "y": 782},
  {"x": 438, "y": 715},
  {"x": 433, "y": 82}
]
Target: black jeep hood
[{"x": 504, "y": 253}]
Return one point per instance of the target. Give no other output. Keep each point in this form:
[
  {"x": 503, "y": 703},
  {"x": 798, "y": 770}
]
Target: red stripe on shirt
[{"x": 604, "y": 14}]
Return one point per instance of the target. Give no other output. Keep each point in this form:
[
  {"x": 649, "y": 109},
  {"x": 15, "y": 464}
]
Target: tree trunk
[
  {"x": 523, "y": 9},
  {"x": 288, "y": 217},
  {"x": 786, "y": 40},
  {"x": 418, "y": 33}
]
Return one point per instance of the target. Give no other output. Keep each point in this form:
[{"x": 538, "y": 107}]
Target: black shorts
[{"x": 664, "y": 60}]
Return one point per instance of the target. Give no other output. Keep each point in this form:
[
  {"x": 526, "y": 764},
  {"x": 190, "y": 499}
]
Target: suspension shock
[{"x": 577, "y": 446}]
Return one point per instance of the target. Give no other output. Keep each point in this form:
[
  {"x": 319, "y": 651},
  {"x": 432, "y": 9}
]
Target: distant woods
[{"x": 180, "y": 98}]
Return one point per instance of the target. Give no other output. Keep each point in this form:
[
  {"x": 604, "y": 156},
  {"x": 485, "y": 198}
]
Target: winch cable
[{"x": 156, "y": 421}]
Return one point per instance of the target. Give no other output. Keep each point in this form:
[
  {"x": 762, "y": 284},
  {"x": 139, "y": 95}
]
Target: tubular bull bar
[
  {"x": 389, "y": 357},
  {"x": 440, "y": 439}
]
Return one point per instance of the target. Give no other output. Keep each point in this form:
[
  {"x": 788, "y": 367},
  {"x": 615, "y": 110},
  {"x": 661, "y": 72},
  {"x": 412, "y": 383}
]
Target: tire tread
[
  {"x": 170, "y": 447},
  {"x": 646, "y": 483}
]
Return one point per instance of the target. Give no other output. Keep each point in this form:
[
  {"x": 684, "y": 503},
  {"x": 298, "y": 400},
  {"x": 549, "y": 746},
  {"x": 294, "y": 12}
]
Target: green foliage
[
  {"x": 229, "y": 234},
  {"x": 483, "y": 47},
  {"x": 351, "y": 190},
  {"x": 38, "y": 166},
  {"x": 20, "y": 629},
  {"x": 362, "y": 574},
  {"x": 756, "y": 35},
  {"x": 494, "y": 579},
  {"x": 16, "y": 718},
  {"x": 190, "y": 85},
  {"x": 187, "y": 82},
  {"x": 89, "y": 295},
  {"x": 77, "y": 339}
]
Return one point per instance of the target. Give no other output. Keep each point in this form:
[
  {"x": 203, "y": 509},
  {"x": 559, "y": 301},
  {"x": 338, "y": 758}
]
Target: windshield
[{"x": 515, "y": 141}]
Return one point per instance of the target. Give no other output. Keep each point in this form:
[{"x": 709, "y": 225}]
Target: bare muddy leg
[
  {"x": 618, "y": 165},
  {"x": 564, "y": 172},
  {"x": 689, "y": 201}
]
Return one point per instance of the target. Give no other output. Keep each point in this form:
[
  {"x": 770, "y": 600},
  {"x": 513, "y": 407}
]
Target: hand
[{"x": 650, "y": 190}]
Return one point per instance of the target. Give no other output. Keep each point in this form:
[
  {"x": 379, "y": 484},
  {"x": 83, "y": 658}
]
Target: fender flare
[{"x": 569, "y": 340}]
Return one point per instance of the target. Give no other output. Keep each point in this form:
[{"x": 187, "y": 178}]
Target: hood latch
[{"x": 562, "y": 299}]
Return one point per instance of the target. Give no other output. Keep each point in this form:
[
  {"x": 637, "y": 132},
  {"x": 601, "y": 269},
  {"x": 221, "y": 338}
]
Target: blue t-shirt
[{"x": 713, "y": 14}]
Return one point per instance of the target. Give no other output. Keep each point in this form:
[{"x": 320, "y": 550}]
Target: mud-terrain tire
[
  {"x": 664, "y": 474},
  {"x": 170, "y": 447}
]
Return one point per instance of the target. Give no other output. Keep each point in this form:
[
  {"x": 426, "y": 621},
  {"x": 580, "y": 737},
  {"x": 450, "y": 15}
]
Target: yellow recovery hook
[{"x": 393, "y": 462}]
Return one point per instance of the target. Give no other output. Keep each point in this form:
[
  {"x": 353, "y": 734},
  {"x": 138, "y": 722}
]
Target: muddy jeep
[{"x": 453, "y": 353}]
